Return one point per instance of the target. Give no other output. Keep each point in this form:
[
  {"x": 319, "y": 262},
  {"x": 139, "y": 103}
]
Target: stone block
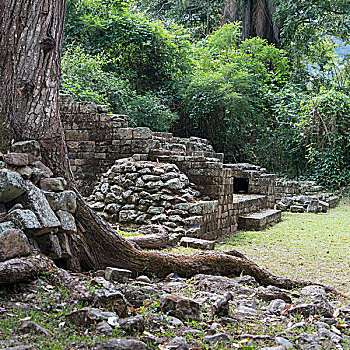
[
  {"x": 142, "y": 133},
  {"x": 56, "y": 184},
  {"x": 192, "y": 221},
  {"x": 49, "y": 245},
  {"x": 46, "y": 171},
  {"x": 118, "y": 275},
  {"x": 25, "y": 220},
  {"x": 13, "y": 243},
  {"x": 35, "y": 200},
  {"x": 32, "y": 148},
  {"x": 16, "y": 159},
  {"x": 6, "y": 225},
  {"x": 297, "y": 209},
  {"x": 67, "y": 221},
  {"x": 180, "y": 307},
  {"x": 12, "y": 185},
  {"x": 63, "y": 240},
  {"x": 124, "y": 134},
  {"x": 66, "y": 200},
  {"x": 25, "y": 171},
  {"x": 197, "y": 243}
]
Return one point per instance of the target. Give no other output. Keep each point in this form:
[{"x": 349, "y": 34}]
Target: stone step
[
  {"x": 245, "y": 204},
  {"x": 260, "y": 220}
]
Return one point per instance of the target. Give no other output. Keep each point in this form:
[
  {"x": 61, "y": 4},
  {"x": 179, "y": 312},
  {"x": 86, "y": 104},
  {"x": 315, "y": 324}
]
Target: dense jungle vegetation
[{"x": 260, "y": 79}]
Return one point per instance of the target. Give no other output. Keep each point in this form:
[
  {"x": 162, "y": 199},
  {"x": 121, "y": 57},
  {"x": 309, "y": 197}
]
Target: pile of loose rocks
[
  {"x": 143, "y": 192},
  {"x": 35, "y": 209},
  {"x": 318, "y": 203},
  {"x": 205, "y": 312}
]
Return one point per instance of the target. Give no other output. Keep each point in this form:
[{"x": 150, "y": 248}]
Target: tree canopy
[{"x": 196, "y": 68}]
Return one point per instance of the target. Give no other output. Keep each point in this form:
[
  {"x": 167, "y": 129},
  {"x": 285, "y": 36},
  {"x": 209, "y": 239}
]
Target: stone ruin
[
  {"x": 134, "y": 176},
  {"x": 36, "y": 212},
  {"x": 303, "y": 197}
]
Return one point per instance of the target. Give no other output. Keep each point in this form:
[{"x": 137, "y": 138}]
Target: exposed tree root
[
  {"x": 157, "y": 240},
  {"x": 23, "y": 269},
  {"x": 103, "y": 247}
]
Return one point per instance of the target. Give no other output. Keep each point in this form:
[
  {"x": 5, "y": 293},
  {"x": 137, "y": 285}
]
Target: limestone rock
[
  {"x": 25, "y": 220},
  {"x": 44, "y": 169},
  {"x": 181, "y": 343},
  {"x": 49, "y": 244},
  {"x": 297, "y": 209},
  {"x": 66, "y": 200},
  {"x": 12, "y": 185},
  {"x": 111, "y": 301},
  {"x": 271, "y": 293},
  {"x": 104, "y": 328},
  {"x": 284, "y": 342},
  {"x": 6, "y": 225},
  {"x": 127, "y": 215},
  {"x": 217, "y": 338},
  {"x": 13, "y": 243},
  {"x": 180, "y": 306},
  {"x": 174, "y": 184},
  {"x": 133, "y": 325},
  {"x": 32, "y": 148},
  {"x": 53, "y": 184},
  {"x": 87, "y": 316},
  {"x": 35, "y": 200},
  {"x": 25, "y": 171},
  {"x": 67, "y": 221},
  {"x": 64, "y": 244},
  {"x": 119, "y": 275},
  {"x": 197, "y": 243},
  {"x": 276, "y": 306},
  {"x": 32, "y": 327},
  {"x": 16, "y": 159}
]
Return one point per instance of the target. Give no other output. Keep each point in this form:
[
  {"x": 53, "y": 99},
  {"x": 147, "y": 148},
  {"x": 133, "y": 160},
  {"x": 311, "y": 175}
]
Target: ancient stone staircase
[{"x": 259, "y": 220}]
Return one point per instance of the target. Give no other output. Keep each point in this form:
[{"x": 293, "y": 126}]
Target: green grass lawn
[
  {"x": 312, "y": 247},
  {"x": 303, "y": 246}
]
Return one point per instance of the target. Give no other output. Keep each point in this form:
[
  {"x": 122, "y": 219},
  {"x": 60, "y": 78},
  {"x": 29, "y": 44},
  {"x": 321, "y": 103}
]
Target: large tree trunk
[
  {"x": 30, "y": 42},
  {"x": 257, "y": 18}
]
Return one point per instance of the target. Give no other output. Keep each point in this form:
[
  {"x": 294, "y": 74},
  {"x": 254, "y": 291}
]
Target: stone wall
[{"x": 96, "y": 140}]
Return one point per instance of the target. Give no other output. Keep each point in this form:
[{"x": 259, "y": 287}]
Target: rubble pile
[
  {"x": 36, "y": 211},
  {"x": 143, "y": 192},
  {"x": 317, "y": 203}
]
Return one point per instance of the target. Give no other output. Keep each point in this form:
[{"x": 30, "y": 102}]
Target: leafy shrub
[
  {"x": 84, "y": 78},
  {"x": 143, "y": 52},
  {"x": 326, "y": 127},
  {"x": 224, "y": 99}
]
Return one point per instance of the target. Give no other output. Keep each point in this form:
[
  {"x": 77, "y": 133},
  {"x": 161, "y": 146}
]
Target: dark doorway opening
[{"x": 240, "y": 186}]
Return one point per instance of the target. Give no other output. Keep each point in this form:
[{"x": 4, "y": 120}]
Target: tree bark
[
  {"x": 23, "y": 269},
  {"x": 154, "y": 237},
  {"x": 30, "y": 42},
  {"x": 257, "y": 18}
]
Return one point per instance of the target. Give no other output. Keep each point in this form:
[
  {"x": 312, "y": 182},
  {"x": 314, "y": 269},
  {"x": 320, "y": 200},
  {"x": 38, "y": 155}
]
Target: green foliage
[
  {"x": 188, "y": 74},
  {"x": 325, "y": 124},
  {"x": 305, "y": 24},
  {"x": 144, "y": 52},
  {"x": 84, "y": 78},
  {"x": 202, "y": 16},
  {"x": 222, "y": 98},
  {"x": 141, "y": 108}
]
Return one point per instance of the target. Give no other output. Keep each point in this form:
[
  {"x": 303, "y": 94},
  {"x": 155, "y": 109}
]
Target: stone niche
[{"x": 240, "y": 185}]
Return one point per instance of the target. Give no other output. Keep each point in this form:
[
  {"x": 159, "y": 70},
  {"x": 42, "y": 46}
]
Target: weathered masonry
[{"x": 136, "y": 176}]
